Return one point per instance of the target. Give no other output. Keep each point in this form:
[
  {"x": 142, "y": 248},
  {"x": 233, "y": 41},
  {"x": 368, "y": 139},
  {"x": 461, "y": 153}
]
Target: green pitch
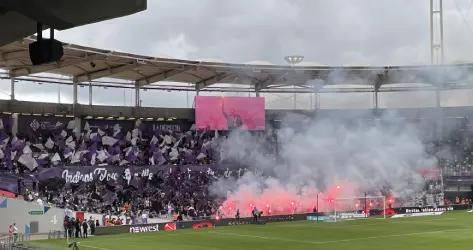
[{"x": 449, "y": 231}]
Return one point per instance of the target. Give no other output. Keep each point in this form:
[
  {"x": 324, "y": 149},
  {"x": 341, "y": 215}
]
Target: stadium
[{"x": 137, "y": 151}]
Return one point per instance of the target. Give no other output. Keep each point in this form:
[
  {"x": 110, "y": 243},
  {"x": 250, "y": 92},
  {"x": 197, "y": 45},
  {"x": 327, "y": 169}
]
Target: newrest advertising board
[
  {"x": 227, "y": 113},
  {"x": 196, "y": 224}
]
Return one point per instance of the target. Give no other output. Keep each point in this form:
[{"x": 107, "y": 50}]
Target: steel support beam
[
  {"x": 106, "y": 72},
  {"x": 380, "y": 80},
  {"x": 259, "y": 85},
  {"x": 12, "y": 89},
  {"x": 24, "y": 71},
  {"x": 218, "y": 78},
  {"x": 163, "y": 75},
  {"x": 14, "y": 55},
  {"x": 436, "y": 32},
  {"x": 137, "y": 94},
  {"x": 74, "y": 96},
  {"x": 316, "y": 85},
  {"x": 90, "y": 93}
]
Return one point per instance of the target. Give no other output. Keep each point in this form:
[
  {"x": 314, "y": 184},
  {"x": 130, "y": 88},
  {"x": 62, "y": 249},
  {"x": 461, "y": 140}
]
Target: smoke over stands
[{"x": 336, "y": 157}]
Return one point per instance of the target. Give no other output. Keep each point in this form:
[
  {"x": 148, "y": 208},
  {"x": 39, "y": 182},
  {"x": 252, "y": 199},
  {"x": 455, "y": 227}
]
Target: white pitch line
[
  {"x": 335, "y": 241},
  {"x": 101, "y": 248}
]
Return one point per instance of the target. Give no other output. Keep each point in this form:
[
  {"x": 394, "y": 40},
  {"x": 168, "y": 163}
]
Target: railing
[
  {"x": 13, "y": 242},
  {"x": 21, "y": 241}
]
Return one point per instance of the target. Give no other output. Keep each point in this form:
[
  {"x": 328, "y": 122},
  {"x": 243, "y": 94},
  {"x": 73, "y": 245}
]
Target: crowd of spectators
[
  {"x": 165, "y": 195},
  {"x": 59, "y": 144},
  {"x": 46, "y": 145}
]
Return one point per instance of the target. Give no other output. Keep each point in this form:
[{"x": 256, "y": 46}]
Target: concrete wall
[
  {"x": 188, "y": 114},
  {"x": 24, "y": 213},
  {"x": 95, "y": 110}
]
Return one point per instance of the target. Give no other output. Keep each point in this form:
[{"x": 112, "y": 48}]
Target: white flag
[
  {"x": 49, "y": 143},
  {"x": 71, "y": 144},
  {"x": 68, "y": 155},
  {"x": 63, "y": 134},
  {"x": 102, "y": 155},
  {"x": 101, "y": 132},
  {"x": 201, "y": 156},
  {"x": 116, "y": 127},
  {"x": 93, "y": 135},
  {"x": 86, "y": 126},
  {"x": 134, "y": 141},
  {"x": 107, "y": 140},
  {"x": 27, "y": 150},
  {"x": 28, "y": 161},
  {"x": 71, "y": 124},
  {"x": 92, "y": 160},
  {"x": 76, "y": 157},
  {"x": 135, "y": 133},
  {"x": 39, "y": 146},
  {"x": 154, "y": 140},
  {"x": 151, "y": 161},
  {"x": 69, "y": 139},
  {"x": 174, "y": 154},
  {"x": 116, "y": 132},
  {"x": 167, "y": 139},
  {"x": 43, "y": 156}
]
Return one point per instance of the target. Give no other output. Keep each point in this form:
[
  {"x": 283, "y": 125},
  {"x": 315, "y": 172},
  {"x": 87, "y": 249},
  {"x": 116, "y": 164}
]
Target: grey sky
[
  {"x": 329, "y": 32},
  {"x": 334, "y": 32}
]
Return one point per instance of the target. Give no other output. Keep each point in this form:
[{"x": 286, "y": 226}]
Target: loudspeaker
[{"x": 45, "y": 51}]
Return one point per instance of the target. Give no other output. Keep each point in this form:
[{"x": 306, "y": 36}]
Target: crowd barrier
[
  {"x": 408, "y": 210},
  {"x": 14, "y": 242},
  {"x": 208, "y": 223},
  {"x": 196, "y": 224}
]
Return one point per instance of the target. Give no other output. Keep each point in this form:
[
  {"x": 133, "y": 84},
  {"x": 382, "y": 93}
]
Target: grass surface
[{"x": 449, "y": 231}]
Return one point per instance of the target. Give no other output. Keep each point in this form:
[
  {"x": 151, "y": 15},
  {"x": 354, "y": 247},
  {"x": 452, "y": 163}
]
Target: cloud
[
  {"x": 177, "y": 46},
  {"x": 333, "y": 32}
]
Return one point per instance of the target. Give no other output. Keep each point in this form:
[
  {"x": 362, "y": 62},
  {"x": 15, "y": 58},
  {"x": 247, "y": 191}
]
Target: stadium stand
[{"x": 48, "y": 144}]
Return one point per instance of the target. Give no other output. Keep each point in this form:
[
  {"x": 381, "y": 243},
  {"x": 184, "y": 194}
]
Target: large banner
[
  {"x": 226, "y": 113},
  {"x": 6, "y": 123},
  {"x": 35, "y": 127},
  {"x": 131, "y": 174}
]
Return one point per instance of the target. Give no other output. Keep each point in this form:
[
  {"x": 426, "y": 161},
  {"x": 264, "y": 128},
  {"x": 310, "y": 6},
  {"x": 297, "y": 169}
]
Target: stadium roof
[
  {"x": 22, "y": 15},
  {"x": 85, "y": 64}
]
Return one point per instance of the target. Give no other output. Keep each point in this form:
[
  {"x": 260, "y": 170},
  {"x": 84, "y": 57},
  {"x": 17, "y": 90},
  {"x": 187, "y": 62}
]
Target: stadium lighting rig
[{"x": 293, "y": 60}]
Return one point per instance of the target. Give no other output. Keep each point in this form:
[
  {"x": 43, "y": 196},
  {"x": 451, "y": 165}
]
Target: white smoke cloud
[{"x": 379, "y": 156}]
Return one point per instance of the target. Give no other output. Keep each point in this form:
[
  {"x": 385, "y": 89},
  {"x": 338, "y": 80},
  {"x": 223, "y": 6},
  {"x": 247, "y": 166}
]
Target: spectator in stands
[
  {"x": 71, "y": 227},
  {"x": 255, "y": 213},
  {"x": 85, "y": 227},
  {"x": 237, "y": 215},
  {"x": 77, "y": 228},
  {"x": 15, "y": 232},
  {"x": 10, "y": 230},
  {"x": 92, "y": 226},
  {"x": 66, "y": 225}
]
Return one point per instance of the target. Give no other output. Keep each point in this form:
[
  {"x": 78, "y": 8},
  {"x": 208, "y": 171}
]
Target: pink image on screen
[{"x": 226, "y": 113}]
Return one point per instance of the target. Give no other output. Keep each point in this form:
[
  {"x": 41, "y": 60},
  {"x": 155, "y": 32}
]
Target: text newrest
[{"x": 144, "y": 229}]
